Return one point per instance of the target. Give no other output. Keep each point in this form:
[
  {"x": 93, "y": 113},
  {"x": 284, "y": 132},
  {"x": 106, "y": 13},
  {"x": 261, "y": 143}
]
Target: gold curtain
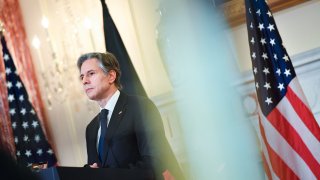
[{"x": 17, "y": 42}]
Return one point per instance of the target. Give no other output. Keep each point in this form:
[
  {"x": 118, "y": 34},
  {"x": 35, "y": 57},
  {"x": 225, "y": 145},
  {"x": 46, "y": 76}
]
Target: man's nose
[{"x": 85, "y": 80}]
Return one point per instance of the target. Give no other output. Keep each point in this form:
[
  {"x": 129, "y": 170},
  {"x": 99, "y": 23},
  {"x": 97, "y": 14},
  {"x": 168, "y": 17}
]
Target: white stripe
[
  {"x": 266, "y": 155},
  {"x": 265, "y": 151},
  {"x": 307, "y": 137},
  {"x": 284, "y": 150},
  {"x": 296, "y": 88}
]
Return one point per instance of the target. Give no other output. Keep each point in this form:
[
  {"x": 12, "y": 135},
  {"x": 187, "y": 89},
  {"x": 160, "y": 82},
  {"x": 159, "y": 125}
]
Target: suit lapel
[
  {"x": 115, "y": 120},
  {"x": 95, "y": 128}
]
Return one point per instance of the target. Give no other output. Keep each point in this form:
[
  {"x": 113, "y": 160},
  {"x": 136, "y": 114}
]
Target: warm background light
[
  {"x": 45, "y": 22},
  {"x": 36, "y": 42},
  {"x": 87, "y": 23}
]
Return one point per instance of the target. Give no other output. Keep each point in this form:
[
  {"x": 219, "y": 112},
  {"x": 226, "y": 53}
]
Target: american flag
[
  {"x": 31, "y": 144},
  {"x": 290, "y": 134}
]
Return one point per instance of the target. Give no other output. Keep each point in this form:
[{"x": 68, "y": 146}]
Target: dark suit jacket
[{"x": 135, "y": 138}]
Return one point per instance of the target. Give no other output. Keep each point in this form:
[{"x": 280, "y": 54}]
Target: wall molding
[{"x": 234, "y": 10}]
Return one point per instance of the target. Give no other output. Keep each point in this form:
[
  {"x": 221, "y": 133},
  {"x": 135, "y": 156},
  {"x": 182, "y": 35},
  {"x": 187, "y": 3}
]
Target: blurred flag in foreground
[
  {"x": 290, "y": 135},
  {"x": 219, "y": 141}
]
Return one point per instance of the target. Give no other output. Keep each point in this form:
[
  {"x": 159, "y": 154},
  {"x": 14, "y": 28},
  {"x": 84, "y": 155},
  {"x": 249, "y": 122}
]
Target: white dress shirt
[{"x": 110, "y": 107}]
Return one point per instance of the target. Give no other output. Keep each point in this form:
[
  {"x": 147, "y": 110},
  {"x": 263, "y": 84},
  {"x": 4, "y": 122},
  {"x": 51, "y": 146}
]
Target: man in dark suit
[{"x": 128, "y": 132}]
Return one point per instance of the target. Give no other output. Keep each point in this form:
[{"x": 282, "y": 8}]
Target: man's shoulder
[{"x": 93, "y": 121}]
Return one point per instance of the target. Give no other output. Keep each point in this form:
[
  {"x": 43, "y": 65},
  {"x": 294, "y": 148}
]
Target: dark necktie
[{"x": 103, "y": 118}]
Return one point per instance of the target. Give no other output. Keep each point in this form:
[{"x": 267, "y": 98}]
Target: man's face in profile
[{"x": 95, "y": 82}]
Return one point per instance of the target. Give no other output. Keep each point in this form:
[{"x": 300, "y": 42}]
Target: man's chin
[{"x": 91, "y": 97}]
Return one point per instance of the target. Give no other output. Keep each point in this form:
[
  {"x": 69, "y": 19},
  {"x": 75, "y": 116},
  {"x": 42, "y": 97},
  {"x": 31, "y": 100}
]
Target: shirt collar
[{"x": 112, "y": 102}]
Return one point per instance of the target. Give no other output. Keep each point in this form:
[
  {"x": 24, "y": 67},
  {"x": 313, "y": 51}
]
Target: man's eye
[{"x": 91, "y": 73}]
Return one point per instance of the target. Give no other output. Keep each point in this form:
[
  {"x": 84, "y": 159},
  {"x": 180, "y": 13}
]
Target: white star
[
  {"x": 253, "y": 55},
  {"x": 271, "y": 27},
  {"x": 264, "y": 56},
  {"x": 32, "y": 111},
  {"x": 25, "y": 138},
  {"x": 252, "y": 40},
  {"x": 9, "y": 84},
  {"x": 16, "y": 140},
  {"x": 267, "y": 86},
  {"x": 261, "y": 26},
  {"x": 278, "y": 71},
  {"x": 35, "y": 124},
  {"x": 14, "y": 125},
  {"x": 21, "y": 98},
  {"x": 251, "y": 25},
  {"x": 25, "y": 125},
  {"x": 286, "y": 58},
  {"x": 18, "y": 153},
  {"x": 255, "y": 70},
  {"x": 287, "y": 72},
  {"x": 37, "y": 138},
  {"x": 39, "y": 152},
  {"x": 28, "y": 153},
  {"x": 281, "y": 86},
  {"x": 8, "y": 71},
  {"x": 266, "y": 70},
  {"x": 12, "y": 111},
  {"x": 275, "y": 56},
  {"x": 268, "y": 100},
  {"x": 269, "y": 13},
  {"x": 23, "y": 111},
  {"x": 10, "y": 98},
  {"x": 272, "y": 42},
  {"x": 250, "y": 10},
  {"x": 263, "y": 41},
  {"x": 258, "y": 12},
  {"x": 18, "y": 85},
  {"x": 257, "y": 85},
  {"x": 6, "y": 57},
  {"x": 50, "y": 151}
]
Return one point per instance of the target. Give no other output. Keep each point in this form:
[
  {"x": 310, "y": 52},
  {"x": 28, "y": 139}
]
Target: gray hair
[{"x": 107, "y": 61}]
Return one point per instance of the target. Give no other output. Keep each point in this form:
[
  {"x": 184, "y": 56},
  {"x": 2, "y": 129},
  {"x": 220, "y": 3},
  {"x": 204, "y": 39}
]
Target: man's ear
[{"x": 112, "y": 76}]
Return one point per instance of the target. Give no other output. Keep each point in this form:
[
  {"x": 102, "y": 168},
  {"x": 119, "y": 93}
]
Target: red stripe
[
  {"x": 279, "y": 167},
  {"x": 304, "y": 113},
  {"x": 281, "y": 124},
  {"x": 266, "y": 167}
]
